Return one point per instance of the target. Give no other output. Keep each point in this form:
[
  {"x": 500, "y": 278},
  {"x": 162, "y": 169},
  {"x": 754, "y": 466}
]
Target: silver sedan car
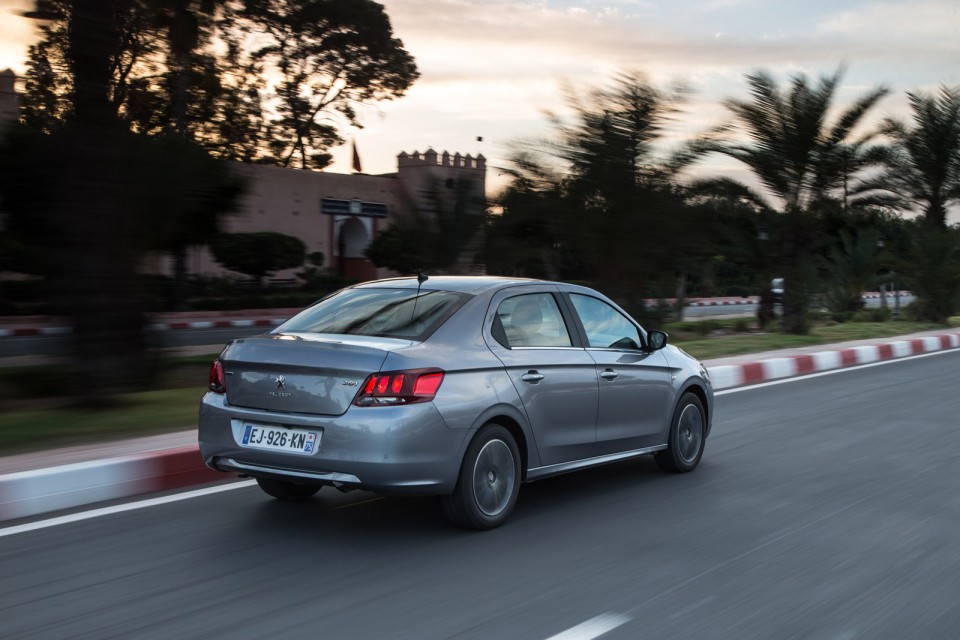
[{"x": 462, "y": 387}]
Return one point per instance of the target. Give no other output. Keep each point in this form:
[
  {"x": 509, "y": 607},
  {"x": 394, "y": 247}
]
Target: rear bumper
[{"x": 400, "y": 450}]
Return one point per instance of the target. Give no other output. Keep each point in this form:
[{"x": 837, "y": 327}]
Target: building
[{"x": 340, "y": 214}]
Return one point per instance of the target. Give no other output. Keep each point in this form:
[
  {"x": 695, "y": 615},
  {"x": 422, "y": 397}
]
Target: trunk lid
[{"x": 302, "y": 373}]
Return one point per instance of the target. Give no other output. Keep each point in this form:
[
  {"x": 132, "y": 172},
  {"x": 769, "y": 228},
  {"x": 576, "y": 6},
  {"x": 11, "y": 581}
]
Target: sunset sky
[{"x": 490, "y": 68}]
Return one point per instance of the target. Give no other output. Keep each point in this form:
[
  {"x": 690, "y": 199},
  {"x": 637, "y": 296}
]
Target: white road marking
[
  {"x": 120, "y": 508},
  {"x": 593, "y": 628},
  {"x": 771, "y": 383}
]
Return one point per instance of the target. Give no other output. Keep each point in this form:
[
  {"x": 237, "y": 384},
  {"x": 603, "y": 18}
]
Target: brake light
[
  {"x": 399, "y": 387},
  {"x": 217, "y": 379}
]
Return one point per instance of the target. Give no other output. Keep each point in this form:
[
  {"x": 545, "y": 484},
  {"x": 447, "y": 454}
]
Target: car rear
[{"x": 328, "y": 408}]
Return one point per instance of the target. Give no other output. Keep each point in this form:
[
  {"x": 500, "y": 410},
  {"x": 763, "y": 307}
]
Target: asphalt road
[{"x": 825, "y": 507}]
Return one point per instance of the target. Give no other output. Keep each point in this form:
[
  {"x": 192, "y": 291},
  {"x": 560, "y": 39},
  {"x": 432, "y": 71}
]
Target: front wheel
[
  {"x": 288, "y": 491},
  {"x": 688, "y": 433},
  {"x": 489, "y": 481}
]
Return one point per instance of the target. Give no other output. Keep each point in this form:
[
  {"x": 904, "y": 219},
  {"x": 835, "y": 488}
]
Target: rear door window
[{"x": 533, "y": 320}]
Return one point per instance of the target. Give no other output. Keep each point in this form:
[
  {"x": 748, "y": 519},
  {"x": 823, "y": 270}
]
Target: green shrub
[
  {"x": 741, "y": 325},
  {"x": 878, "y": 314}
]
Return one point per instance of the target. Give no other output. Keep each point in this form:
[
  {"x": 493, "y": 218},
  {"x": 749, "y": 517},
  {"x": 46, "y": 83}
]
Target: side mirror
[{"x": 656, "y": 340}]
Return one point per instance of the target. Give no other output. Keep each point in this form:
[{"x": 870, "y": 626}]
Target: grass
[
  {"x": 32, "y": 417},
  {"x": 133, "y": 415}
]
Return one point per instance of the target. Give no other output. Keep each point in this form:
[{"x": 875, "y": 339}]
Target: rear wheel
[
  {"x": 288, "y": 491},
  {"x": 688, "y": 433},
  {"x": 489, "y": 481}
]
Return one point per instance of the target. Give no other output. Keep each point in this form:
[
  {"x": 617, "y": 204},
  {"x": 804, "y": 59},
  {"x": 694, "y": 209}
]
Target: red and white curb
[
  {"x": 736, "y": 375},
  {"x": 29, "y": 493}
]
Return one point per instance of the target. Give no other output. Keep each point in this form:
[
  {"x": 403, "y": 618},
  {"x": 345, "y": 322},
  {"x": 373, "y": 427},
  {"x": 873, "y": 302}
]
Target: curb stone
[{"x": 736, "y": 375}]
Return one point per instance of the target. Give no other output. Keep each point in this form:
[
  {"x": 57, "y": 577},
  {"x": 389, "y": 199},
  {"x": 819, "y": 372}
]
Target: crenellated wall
[{"x": 430, "y": 176}]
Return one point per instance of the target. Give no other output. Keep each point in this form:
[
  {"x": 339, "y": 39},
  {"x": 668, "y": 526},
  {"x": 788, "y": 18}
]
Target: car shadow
[{"x": 364, "y": 517}]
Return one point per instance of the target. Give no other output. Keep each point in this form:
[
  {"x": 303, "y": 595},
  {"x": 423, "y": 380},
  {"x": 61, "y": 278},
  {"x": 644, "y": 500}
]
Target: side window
[
  {"x": 533, "y": 320},
  {"x": 606, "y": 327}
]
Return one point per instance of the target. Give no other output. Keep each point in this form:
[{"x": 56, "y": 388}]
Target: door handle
[
  {"x": 532, "y": 376},
  {"x": 609, "y": 374}
]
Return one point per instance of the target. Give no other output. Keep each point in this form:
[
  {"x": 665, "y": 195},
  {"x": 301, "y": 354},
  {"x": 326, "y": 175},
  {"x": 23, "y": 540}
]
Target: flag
[{"x": 356, "y": 157}]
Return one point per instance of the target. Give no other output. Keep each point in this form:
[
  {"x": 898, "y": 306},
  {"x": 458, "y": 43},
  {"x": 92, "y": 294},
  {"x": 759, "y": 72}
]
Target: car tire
[
  {"x": 288, "y": 491},
  {"x": 489, "y": 481},
  {"x": 688, "y": 433}
]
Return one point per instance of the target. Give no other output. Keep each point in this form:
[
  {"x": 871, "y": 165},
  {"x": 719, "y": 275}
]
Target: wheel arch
[
  {"x": 512, "y": 425},
  {"x": 701, "y": 393}
]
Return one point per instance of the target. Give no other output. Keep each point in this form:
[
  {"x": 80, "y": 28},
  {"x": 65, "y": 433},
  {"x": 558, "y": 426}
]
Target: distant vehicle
[
  {"x": 451, "y": 386},
  {"x": 776, "y": 287}
]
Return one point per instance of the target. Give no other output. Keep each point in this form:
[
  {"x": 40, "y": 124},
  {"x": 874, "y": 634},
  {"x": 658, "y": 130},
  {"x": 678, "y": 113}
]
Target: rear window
[{"x": 387, "y": 313}]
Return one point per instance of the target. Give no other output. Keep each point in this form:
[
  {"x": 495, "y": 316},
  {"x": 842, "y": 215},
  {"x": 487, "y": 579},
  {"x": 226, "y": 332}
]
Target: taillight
[
  {"x": 399, "y": 387},
  {"x": 217, "y": 380}
]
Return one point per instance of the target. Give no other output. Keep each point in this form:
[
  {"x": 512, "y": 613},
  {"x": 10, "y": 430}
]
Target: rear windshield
[{"x": 388, "y": 313}]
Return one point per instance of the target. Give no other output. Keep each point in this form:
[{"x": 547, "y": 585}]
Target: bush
[
  {"x": 737, "y": 291},
  {"x": 741, "y": 325},
  {"x": 258, "y": 254},
  {"x": 879, "y": 314}
]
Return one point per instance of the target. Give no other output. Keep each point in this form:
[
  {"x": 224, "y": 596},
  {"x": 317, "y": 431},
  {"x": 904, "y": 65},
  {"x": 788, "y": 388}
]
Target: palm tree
[
  {"x": 922, "y": 165},
  {"x": 802, "y": 160},
  {"x": 922, "y": 175}
]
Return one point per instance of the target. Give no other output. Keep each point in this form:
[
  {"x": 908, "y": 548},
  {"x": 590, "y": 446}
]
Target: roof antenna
[{"x": 421, "y": 278}]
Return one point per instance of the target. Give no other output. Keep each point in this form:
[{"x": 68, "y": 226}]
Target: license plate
[{"x": 258, "y": 436}]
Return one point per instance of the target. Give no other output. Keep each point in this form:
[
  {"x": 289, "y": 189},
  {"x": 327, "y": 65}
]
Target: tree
[
  {"x": 440, "y": 235},
  {"x": 529, "y": 237},
  {"x": 802, "y": 161},
  {"x": 932, "y": 271},
  {"x": 258, "y": 254},
  {"x": 922, "y": 164},
  {"x": 89, "y": 197},
  {"x": 174, "y": 65},
  {"x": 852, "y": 266},
  {"x": 747, "y": 233},
  {"x": 599, "y": 198},
  {"x": 331, "y": 55},
  {"x": 921, "y": 175}
]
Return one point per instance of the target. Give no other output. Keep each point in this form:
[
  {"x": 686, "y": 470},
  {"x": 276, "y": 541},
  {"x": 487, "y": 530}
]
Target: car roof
[{"x": 462, "y": 284}]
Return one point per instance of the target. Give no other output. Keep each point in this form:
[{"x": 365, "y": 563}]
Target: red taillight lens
[
  {"x": 399, "y": 387},
  {"x": 217, "y": 380},
  {"x": 427, "y": 384}
]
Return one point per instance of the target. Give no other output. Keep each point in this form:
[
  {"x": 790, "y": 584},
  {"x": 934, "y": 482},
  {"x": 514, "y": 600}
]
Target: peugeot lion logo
[{"x": 281, "y": 390}]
